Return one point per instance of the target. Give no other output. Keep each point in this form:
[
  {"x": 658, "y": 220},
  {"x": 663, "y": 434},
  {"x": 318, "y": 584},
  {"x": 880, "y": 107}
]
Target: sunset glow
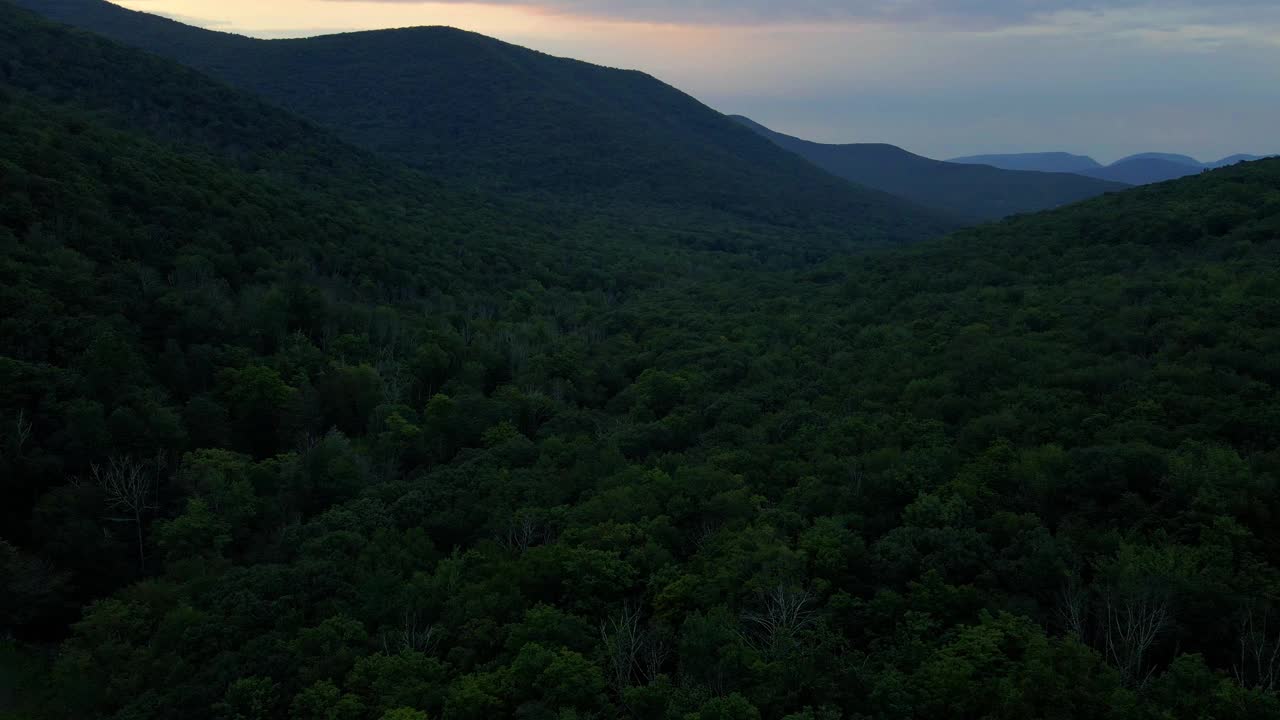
[{"x": 1132, "y": 73}]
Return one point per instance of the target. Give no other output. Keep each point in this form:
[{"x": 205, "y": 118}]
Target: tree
[
  {"x": 257, "y": 398},
  {"x": 1259, "y": 664},
  {"x": 633, "y": 651},
  {"x": 195, "y": 534},
  {"x": 404, "y": 679},
  {"x": 403, "y": 713},
  {"x": 324, "y": 701},
  {"x": 785, "y": 611},
  {"x": 252, "y": 698},
  {"x": 130, "y": 486}
]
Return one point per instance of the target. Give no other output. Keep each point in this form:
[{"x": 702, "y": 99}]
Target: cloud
[{"x": 952, "y": 14}]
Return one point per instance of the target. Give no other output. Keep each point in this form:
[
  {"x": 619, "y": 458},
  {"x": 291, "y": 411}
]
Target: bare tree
[
  {"x": 22, "y": 430},
  {"x": 129, "y": 486},
  {"x": 409, "y": 637},
  {"x": 1135, "y": 620},
  {"x": 635, "y": 652},
  {"x": 622, "y": 643},
  {"x": 785, "y": 612},
  {"x": 654, "y": 655},
  {"x": 1073, "y": 608},
  {"x": 525, "y": 529},
  {"x": 1259, "y": 666}
]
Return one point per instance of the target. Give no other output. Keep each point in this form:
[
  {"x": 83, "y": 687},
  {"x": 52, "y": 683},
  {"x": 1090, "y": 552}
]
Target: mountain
[
  {"x": 494, "y": 116},
  {"x": 1140, "y": 169},
  {"x": 1166, "y": 157},
  {"x": 184, "y": 267},
  {"x": 290, "y": 430},
  {"x": 1039, "y": 162},
  {"x": 1145, "y": 170},
  {"x": 974, "y": 191},
  {"x": 1233, "y": 159}
]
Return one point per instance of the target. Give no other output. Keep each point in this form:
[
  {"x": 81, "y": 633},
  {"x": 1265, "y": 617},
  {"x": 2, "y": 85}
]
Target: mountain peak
[
  {"x": 1166, "y": 157},
  {"x": 1039, "y": 162}
]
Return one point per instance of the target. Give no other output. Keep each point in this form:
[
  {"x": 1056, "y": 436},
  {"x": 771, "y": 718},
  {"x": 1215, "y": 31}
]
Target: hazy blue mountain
[
  {"x": 1139, "y": 169},
  {"x": 1040, "y": 162},
  {"x": 1146, "y": 170},
  {"x": 977, "y": 191},
  {"x": 1233, "y": 159},
  {"x": 499, "y": 117},
  {"x": 1167, "y": 157}
]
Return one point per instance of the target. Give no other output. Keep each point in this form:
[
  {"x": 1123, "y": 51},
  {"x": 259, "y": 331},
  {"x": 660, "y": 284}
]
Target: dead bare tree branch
[
  {"x": 635, "y": 652},
  {"x": 22, "y": 431},
  {"x": 1135, "y": 620},
  {"x": 410, "y": 637},
  {"x": 785, "y": 612},
  {"x": 1259, "y": 666},
  {"x": 1073, "y": 609},
  {"x": 128, "y": 486}
]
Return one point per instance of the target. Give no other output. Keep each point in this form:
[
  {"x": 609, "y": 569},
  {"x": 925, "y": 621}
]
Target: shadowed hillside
[
  {"x": 288, "y": 430},
  {"x": 973, "y": 191},
  {"x": 496, "y": 116}
]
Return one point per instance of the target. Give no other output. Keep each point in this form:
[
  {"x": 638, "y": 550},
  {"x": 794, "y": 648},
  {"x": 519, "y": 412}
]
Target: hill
[
  {"x": 498, "y": 117},
  {"x": 162, "y": 234},
  {"x": 1146, "y": 170},
  {"x": 1038, "y": 162},
  {"x": 1140, "y": 169},
  {"x": 972, "y": 191},
  {"x": 1166, "y": 157},
  {"x": 1233, "y": 159},
  {"x": 289, "y": 431}
]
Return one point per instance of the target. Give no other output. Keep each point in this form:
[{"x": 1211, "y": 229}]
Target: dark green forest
[{"x": 290, "y": 430}]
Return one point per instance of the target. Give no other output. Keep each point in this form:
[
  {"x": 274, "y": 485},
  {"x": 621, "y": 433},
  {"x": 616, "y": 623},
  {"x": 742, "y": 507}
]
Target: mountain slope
[
  {"x": 975, "y": 191},
  {"x": 492, "y": 115},
  {"x": 1038, "y": 162},
  {"x": 1146, "y": 170},
  {"x": 162, "y": 234},
  {"x": 1167, "y": 157},
  {"x": 1140, "y": 169},
  {"x": 395, "y": 451},
  {"x": 1233, "y": 159}
]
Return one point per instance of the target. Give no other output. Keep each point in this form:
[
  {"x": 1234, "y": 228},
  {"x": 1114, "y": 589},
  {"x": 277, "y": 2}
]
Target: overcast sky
[{"x": 940, "y": 77}]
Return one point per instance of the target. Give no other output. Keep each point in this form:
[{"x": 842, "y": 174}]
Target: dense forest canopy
[{"x": 289, "y": 430}]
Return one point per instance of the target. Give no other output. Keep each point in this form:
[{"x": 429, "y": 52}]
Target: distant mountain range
[
  {"x": 973, "y": 191},
  {"x": 495, "y": 117},
  {"x": 1039, "y": 162},
  {"x": 1140, "y": 169}
]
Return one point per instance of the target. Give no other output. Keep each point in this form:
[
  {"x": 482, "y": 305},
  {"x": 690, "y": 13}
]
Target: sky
[{"x": 942, "y": 78}]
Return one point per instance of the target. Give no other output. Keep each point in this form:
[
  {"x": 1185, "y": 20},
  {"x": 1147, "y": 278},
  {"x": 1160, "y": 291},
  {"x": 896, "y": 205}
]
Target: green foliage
[{"x": 411, "y": 452}]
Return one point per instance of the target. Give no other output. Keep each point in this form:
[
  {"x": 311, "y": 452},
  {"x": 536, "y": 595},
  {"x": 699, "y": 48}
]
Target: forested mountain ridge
[
  {"x": 496, "y": 116},
  {"x": 1037, "y": 162},
  {"x": 277, "y": 445},
  {"x": 1139, "y": 169},
  {"x": 149, "y": 212},
  {"x": 973, "y": 191},
  {"x": 1146, "y": 170}
]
